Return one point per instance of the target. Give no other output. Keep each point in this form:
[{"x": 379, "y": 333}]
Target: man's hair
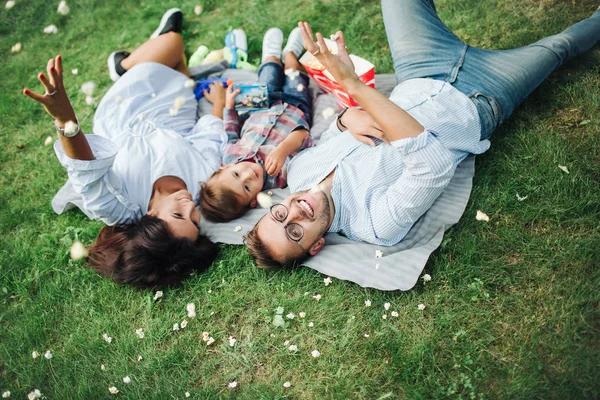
[
  {"x": 218, "y": 204},
  {"x": 147, "y": 255},
  {"x": 263, "y": 257}
]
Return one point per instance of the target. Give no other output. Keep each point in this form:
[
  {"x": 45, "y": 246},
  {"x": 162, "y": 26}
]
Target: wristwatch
[
  {"x": 339, "y": 118},
  {"x": 67, "y": 134}
]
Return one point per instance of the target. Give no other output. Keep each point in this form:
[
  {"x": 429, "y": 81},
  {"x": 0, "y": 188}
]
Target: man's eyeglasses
[{"x": 294, "y": 232}]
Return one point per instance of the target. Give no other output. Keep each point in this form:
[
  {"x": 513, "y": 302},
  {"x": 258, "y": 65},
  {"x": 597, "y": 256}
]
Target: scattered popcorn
[
  {"x": 35, "y": 354},
  {"x": 205, "y": 336},
  {"x": 302, "y": 314},
  {"x": 395, "y": 314},
  {"x": 75, "y": 71},
  {"x": 311, "y": 324},
  {"x": 237, "y": 228},
  {"x": 183, "y": 324},
  {"x": 179, "y": 102},
  {"x": 278, "y": 320},
  {"x": 9, "y": 4},
  {"x": 88, "y": 88},
  {"x": 51, "y": 29},
  {"x": 328, "y": 112},
  {"x": 210, "y": 341},
  {"x": 48, "y": 141},
  {"x": 198, "y": 10},
  {"x": 367, "y": 303},
  {"x": 187, "y": 394},
  {"x": 153, "y": 95},
  {"x": 191, "y": 310},
  {"x": 315, "y": 353},
  {"x": 63, "y": 8},
  {"x": 158, "y": 295},
  {"x": 107, "y": 338},
  {"x": 300, "y": 87},
  {"x": 481, "y": 216},
  {"x": 48, "y": 355},
  {"x": 327, "y": 281},
  {"x": 421, "y": 306},
  {"x": 141, "y": 116},
  {"x": 376, "y": 266},
  {"x": 34, "y": 394},
  {"x": 426, "y": 278},
  {"x": 290, "y": 316},
  {"x": 564, "y": 168},
  {"x": 286, "y": 342},
  {"x": 6, "y": 395},
  {"x": 140, "y": 358},
  {"x": 378, "y": 253},
  {"x": 270, "y": 193},
  {"x": 334, "y": 36},
  {"x": 264, "y": 200},
  {"x": 292, "y": 73},
  {"x": 189, "y": 84},
  {"x": 78, "y": 251},
  {"x": 89, "y": 100},
  {"x": 232, "y": 384},
  {"x": 387, "y": 306},
  {"x": 140, "y": 333},
  {"x": 209, "y": 291},
  {"x": 175, "y": 326},
  {"x": 317, "y": 297},
  {"x": 102, "y": 367},
  {"x": 519, "y": 198},
  {"x": 70, "y": 128},
  {"x": 127, "y": 379},
  {"x": 232, "y": 341},
  {"x": 113, "y": 390},
  {"x": 384, "y": 316},
  {"x": 366, "y": 335},
  {"x": 285, "y": 384},
  {"x": 293, "y": 347},
  {"x": 16, "y": 48}
]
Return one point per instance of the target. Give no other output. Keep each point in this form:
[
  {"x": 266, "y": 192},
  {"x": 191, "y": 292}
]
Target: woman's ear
[{"x": 152, "y": 213}]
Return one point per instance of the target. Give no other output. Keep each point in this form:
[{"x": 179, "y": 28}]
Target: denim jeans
[
  {"x": 497, "y": 81},
  {"x": 282, "y": 87}
]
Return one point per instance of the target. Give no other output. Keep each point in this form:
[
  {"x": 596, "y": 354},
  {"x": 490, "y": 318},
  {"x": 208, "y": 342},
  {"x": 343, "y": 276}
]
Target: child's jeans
[{"x": 284, "y": 88}]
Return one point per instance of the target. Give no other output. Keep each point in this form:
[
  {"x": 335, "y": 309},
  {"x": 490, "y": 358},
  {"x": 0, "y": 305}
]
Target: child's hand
[
  {"x": 275, "y": 161},
  {"x": 230, "y": 96},
  {"x": 216, "y": 94}
]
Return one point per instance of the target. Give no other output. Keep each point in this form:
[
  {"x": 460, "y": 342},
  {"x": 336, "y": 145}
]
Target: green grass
[{"x": 513, "y": 307}]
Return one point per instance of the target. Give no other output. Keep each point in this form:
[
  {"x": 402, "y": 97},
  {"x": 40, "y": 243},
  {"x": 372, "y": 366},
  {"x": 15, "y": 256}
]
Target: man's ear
[
  {"x": 253, "y": 203},
  {"x": 315, "y": 248}
]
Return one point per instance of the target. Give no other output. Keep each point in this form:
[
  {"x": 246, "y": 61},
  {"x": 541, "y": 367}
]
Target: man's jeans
[
  {"x": 284, "y": 88},
  {"x": 497, "y": 81}
]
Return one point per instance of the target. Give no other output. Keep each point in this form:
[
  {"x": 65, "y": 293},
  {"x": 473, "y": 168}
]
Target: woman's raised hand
[
  {"x": 55, "y": 100},
  {"x": 339, "y": 65}
]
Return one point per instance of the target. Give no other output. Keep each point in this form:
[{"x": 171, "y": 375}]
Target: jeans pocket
[{"x": 489, "y": 110}]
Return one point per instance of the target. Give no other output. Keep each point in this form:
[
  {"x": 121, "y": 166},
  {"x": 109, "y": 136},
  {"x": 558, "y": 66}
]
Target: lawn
[{"x": 512, "y": 310}]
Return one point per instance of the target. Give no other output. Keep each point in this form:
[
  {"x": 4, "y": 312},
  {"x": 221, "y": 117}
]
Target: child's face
[{"x": 245, "y": 179}]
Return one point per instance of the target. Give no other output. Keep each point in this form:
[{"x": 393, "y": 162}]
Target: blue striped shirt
[{"x": 380, "y": 192}]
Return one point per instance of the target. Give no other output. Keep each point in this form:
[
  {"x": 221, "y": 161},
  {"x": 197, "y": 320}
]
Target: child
[{"x": 257, "y": 155}]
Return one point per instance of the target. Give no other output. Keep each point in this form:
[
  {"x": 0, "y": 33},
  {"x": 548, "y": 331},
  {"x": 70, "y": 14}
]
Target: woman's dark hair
[{"x": 147, "y": 255}]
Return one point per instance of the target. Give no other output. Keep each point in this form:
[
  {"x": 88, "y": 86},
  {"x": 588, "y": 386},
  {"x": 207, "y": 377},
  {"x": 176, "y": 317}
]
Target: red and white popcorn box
[{"x": 363, "y": 68}]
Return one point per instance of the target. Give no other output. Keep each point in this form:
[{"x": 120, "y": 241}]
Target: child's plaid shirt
[{"x": 260, "y": 134}]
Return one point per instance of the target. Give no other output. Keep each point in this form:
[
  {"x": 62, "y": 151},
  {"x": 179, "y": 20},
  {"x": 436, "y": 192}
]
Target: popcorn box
[{"x": 363, "y": 68}]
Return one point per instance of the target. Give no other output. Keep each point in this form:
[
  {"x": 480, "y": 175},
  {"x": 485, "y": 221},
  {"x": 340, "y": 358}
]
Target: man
[{"x": 376, "y": 182}]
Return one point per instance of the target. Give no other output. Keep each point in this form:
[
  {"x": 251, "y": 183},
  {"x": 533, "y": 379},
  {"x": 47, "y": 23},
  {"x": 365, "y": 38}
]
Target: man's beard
[{"x": 324, "y": 217}]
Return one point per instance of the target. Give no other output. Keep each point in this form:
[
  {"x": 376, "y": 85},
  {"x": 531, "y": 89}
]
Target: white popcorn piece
[
  {"x": 292, "y": 74},
  {"x": 63, "y": 8},
  {"x": 287, "y": 342},
  {"x": 317, "y": 297},
  {"x": 293, "y": 347},
  {"x": 519, "y": 198},
  {"x": 205, "y": 336},
  {"x": 384, "y": 316},
  {"x": 378, "y": 254},
  {"x": 48, "y": 141},
  {"x": 291, "y": 316},
  {"x": 187, "y": 394},
  {"x": 287, "y": 384},
  {"x": 367, "y": 335},
  {"x": 75, "y": 71},
  {"x": 16, "y": 48},
  {"x": 78, "y": 251},
  {"x": 158, "y": 295},
  {"x": 232, "y": 341},
  {"x": 367, "y": 303},
  {"x": 302, "y": 314},
  {"x": 232, "y": 385},
  {"x": 175, "y": 326},
  {"x": 421, "y": 307},
  {"x": 311, "y": 324},
  {"x": 278, "y": 321},
  {"x": 377, "y": 267},
  {"x": 70, "y": 128},
  {"x": 102, "y": 367},
  {"x": 89, "y": 100},
  {"x": 106, "y": 338},
  {"x": 315, "y": 353},
  {"x": 481, "y": 216},
  {"x": 88, "y": 88},
  {"x": 198, "y": 10},
  {"x": 34, "y": 394},
  {"x": 189, "y": 84},
  {"x": 173, "y": 112},
  {"x": 387, "y": 306},
  {"x": 327, "y": 281},
  {"x": 153, "y": 95},
  {"x": 9, "y": 4},
  {"x": 426, "y": 278},
  {"x": 113, "y": 390},
  {"x": 237, "y": 228},
  {"x": 51, "y": 29},
  {"x": 140, "y": 358},
  {"x": 126, "y": 379},
  {"x": 394, "y": 314},
  {"x": 48, "y": 355},
  {"x": 35, "y": 354},
  {"x": 264, "y": 200},
  {"x": 191, "y": 310},
  {"x": 564, "y": 168},
  {"x": 210, "y": 341},
  {"x": 300, "y": 87},
  {"x": 183, "y": 324},
  {"x": 179, "y": 102},
  {"x": 328, "y": 112},
  {"x": 334, "y": 36},
  {"x": 6, "y": 395},
  {"x": 140, "y": 333}
]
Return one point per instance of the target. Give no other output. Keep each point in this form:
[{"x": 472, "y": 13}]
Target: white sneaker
[
  {"x": 272, "y": 43},
  {"x": 294, "y": 43}
]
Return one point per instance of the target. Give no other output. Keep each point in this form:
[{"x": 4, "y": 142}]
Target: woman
[{"x": 148, "y": 155}]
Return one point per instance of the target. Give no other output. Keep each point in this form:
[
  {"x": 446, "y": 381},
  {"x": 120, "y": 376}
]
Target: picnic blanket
[{"x": 342, "y": 258}]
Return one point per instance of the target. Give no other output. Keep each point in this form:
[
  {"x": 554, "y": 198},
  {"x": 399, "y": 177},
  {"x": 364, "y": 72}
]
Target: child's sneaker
[
  {"x": 115, "y": 70},
  {"x": 171, "y": 21},
  {"x": 236, "y": 43},
  {"x": 294, "y": 43},
  {"x": 272, "y": 42},
  {"x": 198, "y": 56}
]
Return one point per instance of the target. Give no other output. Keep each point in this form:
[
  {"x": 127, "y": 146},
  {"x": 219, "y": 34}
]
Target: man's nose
[{"x": 294, "y": 214}]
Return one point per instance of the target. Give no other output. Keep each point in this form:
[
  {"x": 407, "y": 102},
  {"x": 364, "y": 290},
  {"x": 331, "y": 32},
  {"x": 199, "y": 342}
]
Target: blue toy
[{"x": 203, "y": 85}]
